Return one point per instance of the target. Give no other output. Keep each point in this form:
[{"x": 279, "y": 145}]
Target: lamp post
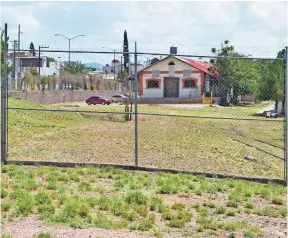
[{"x": 69, "y": 39}]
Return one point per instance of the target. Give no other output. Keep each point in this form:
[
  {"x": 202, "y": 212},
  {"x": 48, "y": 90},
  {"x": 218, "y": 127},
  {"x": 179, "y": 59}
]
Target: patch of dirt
[
  {"x": 271, "y": 227},
  {"x": 28, "y": 227}
]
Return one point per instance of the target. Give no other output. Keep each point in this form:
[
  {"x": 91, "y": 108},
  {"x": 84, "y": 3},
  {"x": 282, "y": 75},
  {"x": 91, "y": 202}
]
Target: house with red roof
[{"x": 176, "y": 79}]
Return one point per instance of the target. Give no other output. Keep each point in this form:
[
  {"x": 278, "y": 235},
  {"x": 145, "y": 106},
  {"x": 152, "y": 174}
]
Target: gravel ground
[{"x": 28, "y": 227}]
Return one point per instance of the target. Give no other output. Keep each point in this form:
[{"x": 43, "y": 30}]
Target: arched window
[
  {"x": 189, "y": 83},
  {"x": 153, "y": 84},
  {"x": 171, "y": 63}
]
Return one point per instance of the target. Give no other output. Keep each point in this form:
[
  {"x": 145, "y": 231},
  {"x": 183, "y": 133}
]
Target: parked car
[
  {"x": 98, "y": 100},
  {"x": 119, "y": 98}
]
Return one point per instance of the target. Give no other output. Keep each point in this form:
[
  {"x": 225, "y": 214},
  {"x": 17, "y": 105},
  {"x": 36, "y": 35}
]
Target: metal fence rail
[{"x": 169, "y": 120}]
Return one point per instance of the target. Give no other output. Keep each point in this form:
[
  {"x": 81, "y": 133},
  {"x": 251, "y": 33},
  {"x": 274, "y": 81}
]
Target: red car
[{"x": 98, "y": 100}]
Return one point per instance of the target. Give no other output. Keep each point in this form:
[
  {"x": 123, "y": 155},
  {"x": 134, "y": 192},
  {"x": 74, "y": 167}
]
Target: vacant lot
[
  {"x": 196, "y": 144},
  {"x": 106, "y": 202}
]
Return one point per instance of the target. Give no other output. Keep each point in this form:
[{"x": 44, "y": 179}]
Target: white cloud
[
  {"x": 218, "y": 12},
  {"x": 273, "y": 13}
]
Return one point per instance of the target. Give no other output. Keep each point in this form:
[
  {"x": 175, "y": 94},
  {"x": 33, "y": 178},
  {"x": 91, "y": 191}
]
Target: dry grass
[{"x": 166, "y": 142}]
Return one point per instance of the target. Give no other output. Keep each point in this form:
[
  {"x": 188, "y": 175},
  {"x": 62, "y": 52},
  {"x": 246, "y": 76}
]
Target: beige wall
[{"x": 51, "y": 97}]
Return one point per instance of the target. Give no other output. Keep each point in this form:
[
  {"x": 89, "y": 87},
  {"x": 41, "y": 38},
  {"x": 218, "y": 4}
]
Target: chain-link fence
[{"x": 218, "y": 115}]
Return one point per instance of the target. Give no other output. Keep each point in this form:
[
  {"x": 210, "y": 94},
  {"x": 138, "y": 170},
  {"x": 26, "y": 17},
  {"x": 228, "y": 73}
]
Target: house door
[{"x": 171, "y": 87}]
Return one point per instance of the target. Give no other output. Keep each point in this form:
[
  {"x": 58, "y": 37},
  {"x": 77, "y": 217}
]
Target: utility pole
[
  {"x": 41, "y": 47},
  {"x": 14, "y": 58},
  {"x": 18, "y": 60}
]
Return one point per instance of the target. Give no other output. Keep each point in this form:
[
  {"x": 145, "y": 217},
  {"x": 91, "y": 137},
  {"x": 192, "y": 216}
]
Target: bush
[
  {"x": 85, "y": 186},
  {"x": 136, "y": 197},
  {"x": 221, "y": 210},
  {"x": 42, "y": 197}
]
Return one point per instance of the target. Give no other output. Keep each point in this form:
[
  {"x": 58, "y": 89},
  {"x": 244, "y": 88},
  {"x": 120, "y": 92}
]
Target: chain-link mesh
[{"x": 221, "y": 115}]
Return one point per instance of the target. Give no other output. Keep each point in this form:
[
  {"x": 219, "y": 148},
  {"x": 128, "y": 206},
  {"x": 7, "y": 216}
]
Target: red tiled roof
[
  {"x": 203, "y": 66},
  {"x": 196, "y": 64}
]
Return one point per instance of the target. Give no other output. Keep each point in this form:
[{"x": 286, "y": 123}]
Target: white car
[{"x": 119, "y": 98}]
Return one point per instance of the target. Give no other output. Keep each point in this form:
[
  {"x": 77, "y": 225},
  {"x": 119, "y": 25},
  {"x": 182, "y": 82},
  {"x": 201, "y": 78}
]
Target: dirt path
[{"x": 28, "y": 227}]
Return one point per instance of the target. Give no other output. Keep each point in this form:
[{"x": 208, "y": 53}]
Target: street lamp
[{"x": 69, "y": 41}]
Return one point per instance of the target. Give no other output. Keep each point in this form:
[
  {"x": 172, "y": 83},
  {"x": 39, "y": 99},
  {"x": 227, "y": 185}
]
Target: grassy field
[
  {"x": 195, "y": 144},
  {"x": 118, "y": 203}
]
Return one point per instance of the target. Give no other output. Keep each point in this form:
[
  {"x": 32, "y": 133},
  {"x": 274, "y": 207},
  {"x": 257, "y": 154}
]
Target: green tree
[
  {"x": 75, "y": 68},
  {"x": 48, "y": 60},
  {"x": 237, "y": 75},
  {"x": 28, "y": 79},
  {"x": 126, "y": 52},
  {"x": 32, "y": 49},
  {"x": 271, "y": 86}
]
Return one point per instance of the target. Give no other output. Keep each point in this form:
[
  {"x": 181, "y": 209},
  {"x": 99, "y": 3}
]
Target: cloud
[{"x": 273, "y": 13}]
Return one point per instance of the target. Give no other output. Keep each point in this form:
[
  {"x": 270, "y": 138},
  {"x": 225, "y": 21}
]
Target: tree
[
  {"x": 272, "y": 81},
  {"x": 32, "y": 49},
  {"x": 126, "y": 52},
  {"x": 28, "y": 79},
  {"x": 75, "y": 68},
  {"x": 127, "y": 88},
  {"x": 236, "y": 76},
  {"x": 48, "y": 60}
]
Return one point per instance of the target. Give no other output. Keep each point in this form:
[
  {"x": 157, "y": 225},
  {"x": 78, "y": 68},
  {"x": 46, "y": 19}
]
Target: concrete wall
[{"x": 51, "y": 97}]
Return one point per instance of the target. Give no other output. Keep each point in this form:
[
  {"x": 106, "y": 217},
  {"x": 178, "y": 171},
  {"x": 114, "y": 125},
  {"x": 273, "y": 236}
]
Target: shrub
[
  {"x": 4, "y": 192},
  {"x": 178, "y": 206},
  {"x": 232, "y": 203},
  {"x": 231, "y": 212},
  {"x": 136, "y": 197},
  {"x": 209, "y": 204},
  {"x": 46, "y": 209},
  {"x": 29, "y": 184},
  {"x": 6, "y": 205},
  {"x": 156, "y": 203},
  {"x": 221, "y": 210},
  {"x": 25, "y": 205},
  {"x": 278, "y": 200},
  {"x": 42, "y": 197},
  {"x": 248, "y": 205},
  {"x": 176, "y": 223},
  {"x": 145, "y": 224},
  {"x": 75, "y": 207},
  {"x": 85, "y": 186}
]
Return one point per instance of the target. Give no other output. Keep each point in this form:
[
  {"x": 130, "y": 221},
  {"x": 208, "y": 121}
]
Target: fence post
[
  {"x": 4, "y": 81},
  {"x": 136, "y": 106},
  {"x": 286, "y": 114}
]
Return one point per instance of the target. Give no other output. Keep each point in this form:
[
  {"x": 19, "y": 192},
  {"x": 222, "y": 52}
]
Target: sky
[{"x": 257, "y": 28}]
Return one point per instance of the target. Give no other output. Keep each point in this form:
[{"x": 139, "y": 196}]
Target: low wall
[
  {"x": 143, "y": 100},
  {"x": 52, "y": 97},
  {"x": 247, "y": 98}
]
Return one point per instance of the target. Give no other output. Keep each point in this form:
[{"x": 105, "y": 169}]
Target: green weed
[
  {"x": 221, "y": 210},
  {"x": 85, "y": 186},
  {"x": 42, "y": 197},
  {"x": 136, "y": 197},
  {"x": 248, "y": 205},
  {"x": 43, "y": 235}
]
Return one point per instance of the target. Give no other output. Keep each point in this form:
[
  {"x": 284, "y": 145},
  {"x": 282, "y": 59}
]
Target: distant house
[
  {"x": 177, "y": 78},
  {"x": 94, "y": 68}
]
